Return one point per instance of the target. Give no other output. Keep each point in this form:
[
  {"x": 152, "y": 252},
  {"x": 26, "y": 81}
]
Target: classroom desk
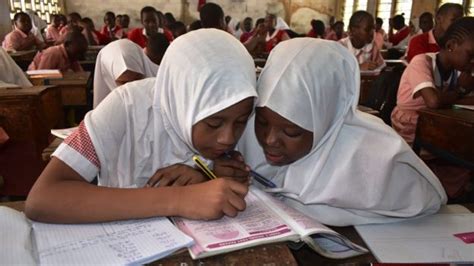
[
  {"x": 366, "y": 81},
  {"x": 23, "y": 58},
  {"x": 447, "y": 133}
]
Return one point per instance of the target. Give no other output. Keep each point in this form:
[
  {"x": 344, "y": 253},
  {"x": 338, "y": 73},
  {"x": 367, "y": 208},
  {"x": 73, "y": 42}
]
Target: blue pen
[{"x": 258, "y": 177}]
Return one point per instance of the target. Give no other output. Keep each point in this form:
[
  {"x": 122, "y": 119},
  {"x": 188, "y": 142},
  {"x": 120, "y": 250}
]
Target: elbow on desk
[{"x": 433, "y": 103}]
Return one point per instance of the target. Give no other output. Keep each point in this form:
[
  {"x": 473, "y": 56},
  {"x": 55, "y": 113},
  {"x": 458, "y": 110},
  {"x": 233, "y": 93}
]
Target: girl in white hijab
[
  {"x": 117, "y": 63},
  {"x": 10, "y": 72},
  {"x": 333, "y": 162},
  {"x": 152, "y": 128}
]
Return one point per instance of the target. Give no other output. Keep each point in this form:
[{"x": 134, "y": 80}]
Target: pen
[
  {"x": 204, "y": 167},
  {"x": 258, "y": 177}
]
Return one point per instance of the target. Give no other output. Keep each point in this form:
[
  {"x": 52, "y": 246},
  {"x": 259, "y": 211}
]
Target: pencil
[{"x": 204, "y": 167}]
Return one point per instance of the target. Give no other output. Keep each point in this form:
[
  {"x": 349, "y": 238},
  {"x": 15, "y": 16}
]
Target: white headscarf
[
  {"x": 281, "y": 24},
  {"x": 358, "y": 170},
  {"x": 10, "y": 72},
  {"x": 202, "y": 73},
  {"x": 113, "y": 60}
]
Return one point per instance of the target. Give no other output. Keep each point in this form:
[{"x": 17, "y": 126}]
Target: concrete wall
[{"x": 5, "y": 22}]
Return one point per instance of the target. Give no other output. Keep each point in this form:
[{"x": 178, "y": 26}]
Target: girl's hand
[
  {"x": 232, "y": 165},
  {"x": 212, "y": 199},
  {"x": 369, "y": 65},
  {"x": 175, "y": 175}
]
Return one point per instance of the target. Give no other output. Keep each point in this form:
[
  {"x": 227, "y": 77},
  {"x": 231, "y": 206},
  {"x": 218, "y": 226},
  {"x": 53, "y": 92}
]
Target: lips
[{"x": 274, "y": 158}]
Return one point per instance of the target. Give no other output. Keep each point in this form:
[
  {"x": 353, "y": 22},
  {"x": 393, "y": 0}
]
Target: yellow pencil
[{"x": 204, "y": 167}]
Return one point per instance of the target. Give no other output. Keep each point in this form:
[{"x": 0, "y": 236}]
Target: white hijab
[
  {"x": 358, "y": 170},
  {"x": 113, "y": 60},
  {"x": 202, "y": 73},
  {"x": 10, "y": 72}
]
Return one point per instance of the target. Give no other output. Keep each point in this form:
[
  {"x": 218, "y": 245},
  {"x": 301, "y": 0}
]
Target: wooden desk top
[
  {"x": 68, "y": 79},
  {"x": 26, "y": 91},
  {"x": 26, "y": 55},
  {"x": 462, "y": 115}
]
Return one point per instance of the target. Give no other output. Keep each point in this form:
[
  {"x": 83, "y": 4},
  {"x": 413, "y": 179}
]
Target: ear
[{"x": 451, "y": 45}]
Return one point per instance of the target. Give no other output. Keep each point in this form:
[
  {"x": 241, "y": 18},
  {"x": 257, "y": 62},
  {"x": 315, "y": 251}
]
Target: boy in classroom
[
  {"x": 64, "y": 56},
  {"x": 125, "y": 22},
  {"x": 361, "y": 43},
  {"x": 52, "y": 32},
  {"x": 156, "y": 47},
  {"x": 318, "y": 29},
  {"x": 151, "y": 24},
  {"x": 152, "y": 128},
  {"x": 428, "y": 41},
  {"x": 337, "y": 164},
  {"x": 425, "y": 22},
  {"x": 401, "y": 37},
  {"x": 212, "y": 16},
  {"x": 21, "y": 38},
  {"x": 93, "y": 36},
  {"x": 118, "y": 63},
  {"x": 110, "y": 29},
  {"x": 431, "y": 80}
]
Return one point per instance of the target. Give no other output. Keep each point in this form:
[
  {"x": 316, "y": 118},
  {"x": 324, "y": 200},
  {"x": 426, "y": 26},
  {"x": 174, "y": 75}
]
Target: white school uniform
[{"x": 358, "y": 170}]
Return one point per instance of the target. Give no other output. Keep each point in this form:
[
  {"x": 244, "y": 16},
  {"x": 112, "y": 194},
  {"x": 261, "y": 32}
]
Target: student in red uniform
[
  {"x": 63, "y": 56},
  {"x": 400, "y": 38},
  {"x": 258, "y": 27},
  {"x": 274, "y": 36},
  {"x": 178, "y": 28},
  {"x": 73, "y": 21},
  {"x": 247, "y": 29},
  {"x": 21, "y": 38},
  {"x": 110, "y": 29},
  {"x": 428, "y": 41},
  {"x": 212, "y": 16},
  {"x": 318, "y": 30},
  {"x": 93, "y": 36},
  {"x": 151, "y": 24},
  {"x": 156, "y": 47},
  {"x": 52, "y": 32},
  {"x": 337, "y": 32}
]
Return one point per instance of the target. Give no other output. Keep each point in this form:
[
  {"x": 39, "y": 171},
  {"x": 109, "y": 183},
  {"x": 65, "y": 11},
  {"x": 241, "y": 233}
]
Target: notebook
[
  {"x": 45, "y": 73},
  {"x": 463, "y": 106},
  {"x": 265, "y": 220},
  {"x": 64, "y": 132},
  {"x": 115, "y": 243}
]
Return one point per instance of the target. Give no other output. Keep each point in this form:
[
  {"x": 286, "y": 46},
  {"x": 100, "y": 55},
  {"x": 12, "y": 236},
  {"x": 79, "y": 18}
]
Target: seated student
[
  {"x": 256, "y": 44},
  {"x": 380, "y": 37},
  {"x": 156, "y": 47},
  {"x": 62, "y": 22},
  {"x": 274, "y": 35},
  {"x": 10, "y": 72},
  {"x": 125, "y": 22},
  {"x": 326, "y": 158},
  {"x": 74, "y": 22},
  {"x": 361, "y": 41},
  {"x": 431, "y": 79},
  {"x": 152, "y": 128},
  {"x": 425, "y": 22},
  {"x": 337, "y": 32},
  {"x": 93, "y": 36},
  {"x": 112, "y": 31},
  {"x": 259, "y": 24},
  {"x": 318, "y": 30},
  {"x": 52, "y": 32},
  {"x": 246, "y": 29},
  {"x": 428, "y": 41},
  {"x": 401, "y": 37},
  {"x": 151, "y": 24},
  {"x": 177, "y": 29},
  {"x": 212, "y": 16},
  {"x": 195, "y": 25},
  {"x": 21, "y": 38},
  {"x": 117, "y": 63},
  {"x": 63, "y": 56}
]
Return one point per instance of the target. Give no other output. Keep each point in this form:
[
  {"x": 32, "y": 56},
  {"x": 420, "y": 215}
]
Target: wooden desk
[
  {"x": 23, "y": 58},
  {"x": 365, "y": 85},
  {"x": 27, "y": 115},
  {"x": 447, "y": 133}
]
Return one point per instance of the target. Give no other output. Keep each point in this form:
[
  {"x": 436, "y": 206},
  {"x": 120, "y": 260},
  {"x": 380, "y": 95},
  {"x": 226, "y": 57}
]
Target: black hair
[
  {"x": 399, "y": 20},
  {"x": 75, "y": 15},
  {"x": 426, "y": 14},
  {"x": 211, "y": 15},
  {"x": 195, "y": 25},
  {"x": 147, "y": 9},
  {"x": 379, "y": 21},
  {"x": 259, "y": 21},
  {"x": 170, "y": 18},
  {"x": 157, "y": 43},
  {"x": 444, "y": 9},
  {"x": 74, "y": 36},
  {"x": 87, "y": 20},
  {"x": 318, "y": 27},
  {"x": 459, "y": 31},
  {"x": 110, "y": 13},
  {"x": 358, "y": 17},
  {"x": 18, "y": 16},
  {"x": 337, "y": 23}
]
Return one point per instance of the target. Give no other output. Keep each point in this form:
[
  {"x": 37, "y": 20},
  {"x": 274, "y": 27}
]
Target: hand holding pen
[{"x": 232, "y": 164}]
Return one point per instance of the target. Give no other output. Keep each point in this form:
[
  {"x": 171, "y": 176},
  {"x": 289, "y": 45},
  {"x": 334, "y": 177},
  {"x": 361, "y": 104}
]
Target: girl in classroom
[
  {"x": 361, "y": 41},
  {"x": 152, "y": 128},
  {"x": 326, "y": 158},
  {"x": 21, "y": 38}
]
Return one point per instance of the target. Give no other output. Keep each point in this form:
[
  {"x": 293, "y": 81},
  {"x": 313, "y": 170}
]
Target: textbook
[
  {"x": 25, "y": 242},
  {"x": 265, "y": 220},
  {"x": 45, "y": 74},
  {"x": 63, "y": 133}
]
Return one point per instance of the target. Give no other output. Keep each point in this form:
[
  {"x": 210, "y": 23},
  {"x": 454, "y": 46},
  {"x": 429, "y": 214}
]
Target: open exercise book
[
  {"x": 24, "y": 242},
  {"x": 265, "y": 220}
]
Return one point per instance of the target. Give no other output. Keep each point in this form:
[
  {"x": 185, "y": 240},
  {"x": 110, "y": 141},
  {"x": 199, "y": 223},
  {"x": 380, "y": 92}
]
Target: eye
[
  {"x": 214, "y": 124},
  {"x": 293, "y": 133}
]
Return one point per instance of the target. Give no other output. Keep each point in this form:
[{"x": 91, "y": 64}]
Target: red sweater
[
  {"x": 422, "y": 44},
  {"x": 136, "y": 36},
  {"x": 399, "y": 36}
]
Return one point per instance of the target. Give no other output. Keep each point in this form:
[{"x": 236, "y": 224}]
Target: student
[
  {"x": 73, "y": 23},
  {"x": 151, "y": 24},
  {"x": 156, "y": 47},
  {"x": 212, "y": 16},
  {"x": 337, "y": 32},
  {"x": 10, "y": 72},
  {"x": 117, "y": 63},
  {"x": 62, "y": 22},
  {"x": 259, "y": 24},
  {"x": 52, "y": 32},
  {"x": 153, "y": 127},
  {"x": 431, "y": 79},
  {"x": 125, "y": 22},
  {"x": 177, "y": 29},
  {"x": 63, "y": 56},
  {"x": 256, "y": 43},
  {"x": 400, "y": 38},
  {"x": 112, "y": 31},
  {"x": 195, "y": 25},
  {"x": 361, "y": 41},
  {"x": 426, "y": 22},
  {"x": 428, "y": 41},
  {"x": 247, "y": 29},
  {"x": 93, "y": 36},
  {"x": 21, "y": 38},
  {"x": 380, "y": 37},
  {"x": 274, "y": 35},
  {"x": 326, "y": 158},
  {"x": 318, "y": 29},
  {"x": 118, "y": 20}
]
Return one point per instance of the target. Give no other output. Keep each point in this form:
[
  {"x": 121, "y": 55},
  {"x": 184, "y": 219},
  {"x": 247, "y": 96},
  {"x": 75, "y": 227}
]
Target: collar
[
  {"x": 431, "y": 38},
  {"x": 438, "y": 80}
]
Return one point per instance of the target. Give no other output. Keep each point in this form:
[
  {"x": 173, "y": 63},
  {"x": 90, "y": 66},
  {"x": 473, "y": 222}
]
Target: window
[
  {"x": 404, "y": 7},
  {"x": 388, "y": 8},
  {"x": 351, "y": 6},
  {"x": 44, "y": 8},
  {"x": 384, "y": 11},
  {"x": 470, "y": 11}
]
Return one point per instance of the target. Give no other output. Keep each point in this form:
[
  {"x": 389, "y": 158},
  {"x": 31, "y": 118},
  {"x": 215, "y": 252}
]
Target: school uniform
[
  {"x": 421, "y": 44},
  {"x": 271, "y": 40},
  {"x": 422, "y": 72},
  {"x": 379, "y": 38},
  {"x": 400, "y": 38},
  {"x": 139, "y": 36},
  {"x": 10, "y": 72},
  {"x": 246, "y": 35},
  {"x": 52, "y": 33},
  {"x": 369, "y": 52},
  {"x": 332, "y": 36},
  {"x": 358, "y": 170},
  {"x": 55, "y": 57},
  {"x": 146, "y": 125},
  {"x": 113, "y": 60},
  {"x": 15, "y": 39},
  {"x": 113, "y": 33}
]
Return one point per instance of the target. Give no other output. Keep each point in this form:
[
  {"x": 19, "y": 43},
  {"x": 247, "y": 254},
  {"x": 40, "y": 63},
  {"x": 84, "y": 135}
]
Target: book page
[
  {"x": 120, "y": 242},
  {"x": 63, "y": 133},
  {"x": 256, "y": 225},
  {"x": 15, "y": 238}
]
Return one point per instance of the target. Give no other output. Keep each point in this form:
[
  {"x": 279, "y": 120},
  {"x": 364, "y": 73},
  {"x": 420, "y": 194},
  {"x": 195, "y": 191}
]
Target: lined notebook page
[
  {"x": 122, "y": 242},
  {"x": 15, "y": 238}
]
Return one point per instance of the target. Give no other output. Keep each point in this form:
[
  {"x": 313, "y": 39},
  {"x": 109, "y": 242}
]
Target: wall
[
  {"x": 5, "y": 23},
  {"x": 420, "y": 6}
]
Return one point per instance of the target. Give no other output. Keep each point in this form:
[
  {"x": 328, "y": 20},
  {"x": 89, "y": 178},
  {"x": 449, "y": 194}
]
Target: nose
[
  {"x": 227, "y": 136},
  {"x": 271, "y": 137}
]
